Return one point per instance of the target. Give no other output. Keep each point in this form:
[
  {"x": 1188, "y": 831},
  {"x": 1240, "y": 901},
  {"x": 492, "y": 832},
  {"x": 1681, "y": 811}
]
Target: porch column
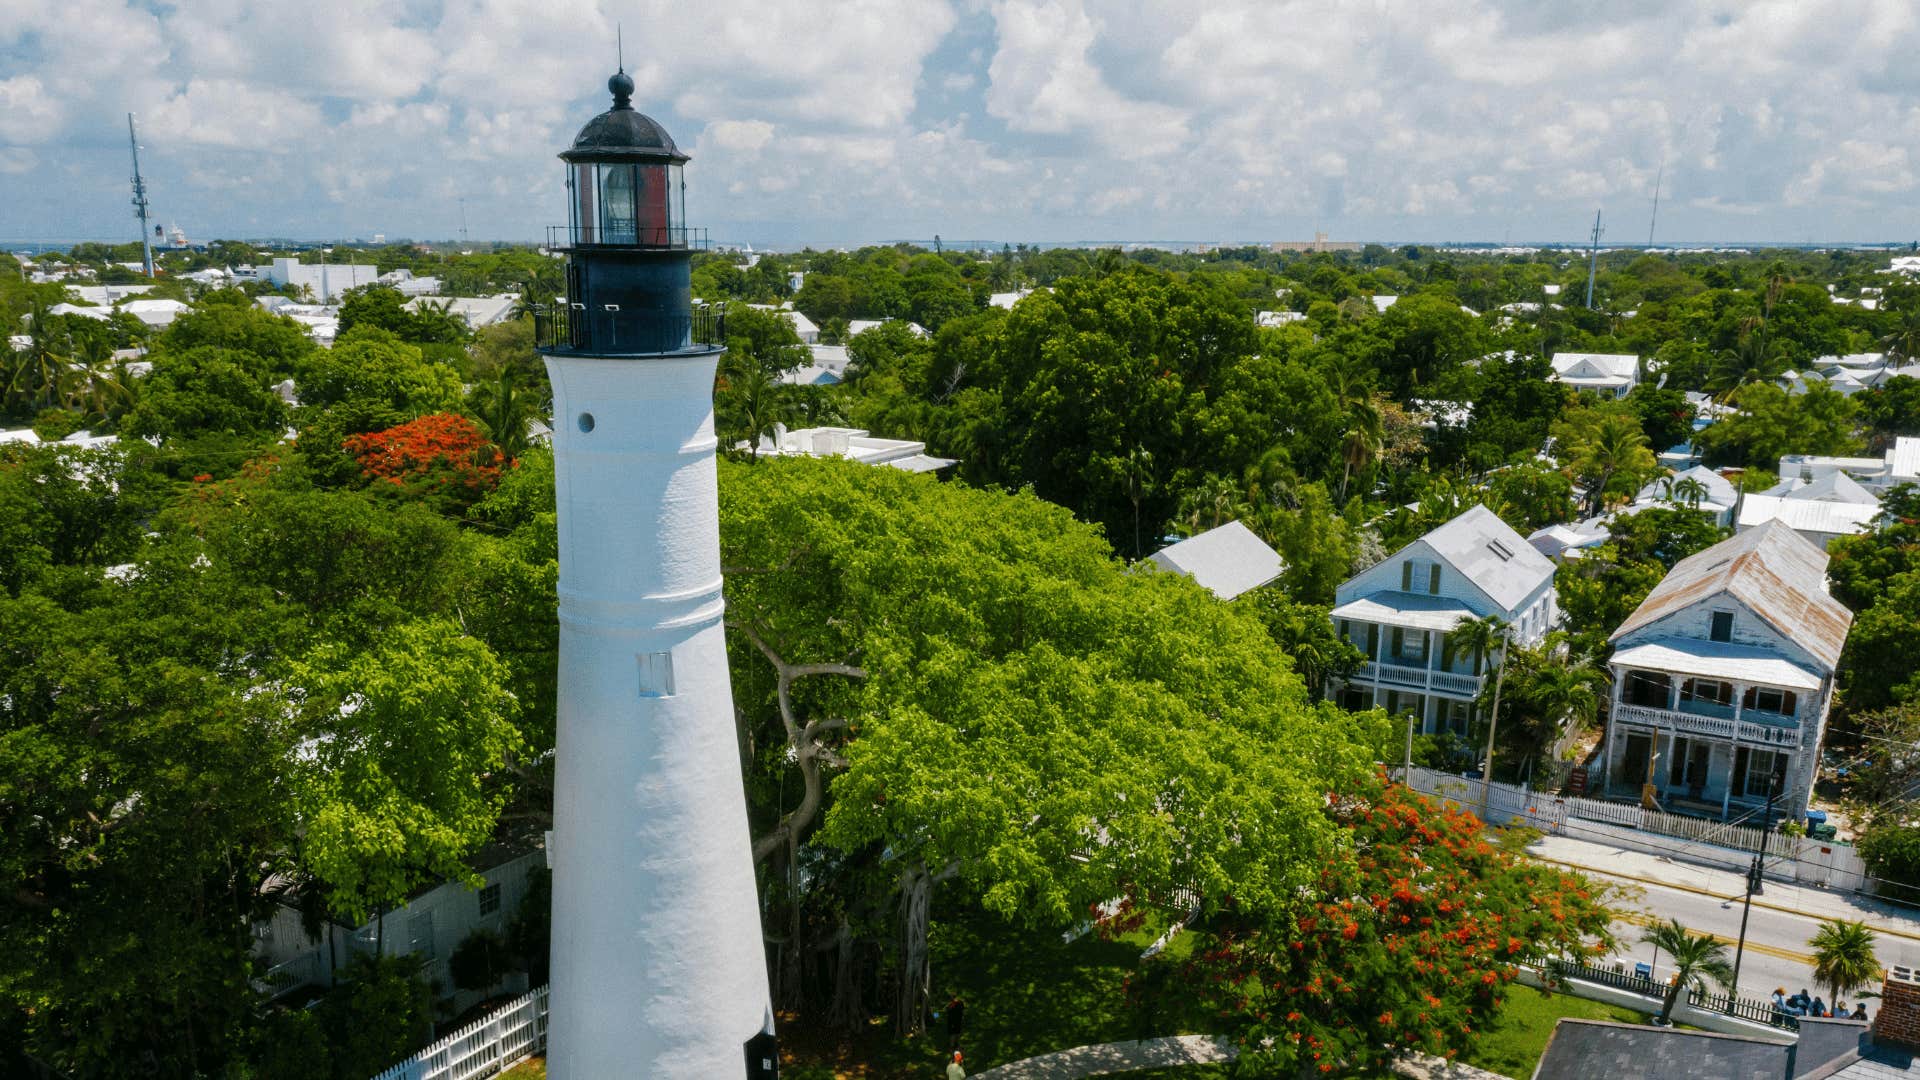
[
  {"x": 1733, "y": 754},
  {"x": 1739, "y": 696},
  {"x": 1433, "y": 656}
]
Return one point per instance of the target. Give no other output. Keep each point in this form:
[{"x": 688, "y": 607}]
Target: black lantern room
[{"x": 629, "y": 251}]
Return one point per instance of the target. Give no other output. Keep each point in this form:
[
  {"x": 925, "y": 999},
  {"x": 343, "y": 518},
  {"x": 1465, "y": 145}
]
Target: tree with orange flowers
[
  {"x": 1409, "y": 943},
  {"x": 443, "y": 458}
]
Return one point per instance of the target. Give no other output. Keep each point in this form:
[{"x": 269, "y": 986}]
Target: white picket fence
[
  {"x": 1809, "y": 862},
  {"x": 486, "y": 1047}
]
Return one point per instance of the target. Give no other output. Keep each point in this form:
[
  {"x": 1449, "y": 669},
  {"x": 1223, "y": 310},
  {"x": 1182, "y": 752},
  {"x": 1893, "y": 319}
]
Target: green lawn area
[
  {"x": 535, "y": 1069},
  {"x": 1513, "y": 1047}
]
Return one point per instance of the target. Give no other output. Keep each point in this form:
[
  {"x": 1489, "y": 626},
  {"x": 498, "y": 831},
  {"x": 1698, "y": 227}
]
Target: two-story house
[
  {"x": 1722, "y": 677},
  {"x": 1401, "y": 611}
]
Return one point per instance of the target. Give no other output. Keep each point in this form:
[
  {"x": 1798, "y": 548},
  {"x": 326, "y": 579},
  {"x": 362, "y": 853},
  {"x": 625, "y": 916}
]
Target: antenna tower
[
  {"x": 1657, "y": 177},
  {"x": 140, "y": 199},
  {"x": 1593, "y": 257},
  {"x": 463, "y": 221}
]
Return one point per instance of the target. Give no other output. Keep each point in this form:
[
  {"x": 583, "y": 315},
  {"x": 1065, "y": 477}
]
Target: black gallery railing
[{"x": 567, "y": 328}]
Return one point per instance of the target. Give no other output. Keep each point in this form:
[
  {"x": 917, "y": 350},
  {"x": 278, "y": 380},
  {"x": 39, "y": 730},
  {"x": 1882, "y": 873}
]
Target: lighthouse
[{"x": 658, "y": 967}]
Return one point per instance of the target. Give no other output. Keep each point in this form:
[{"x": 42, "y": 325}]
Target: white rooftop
[
  {"x": 1474, "y": 542},
  {"x": 1417, "y": 610},
  {"x": 1720, "y": 491},
  {"x": 855, "y": 444},
  {"x": 1719, "y": 659},
  {"x": 861, "y": 326},
  {"x": 1806, "y": 515},
  {"x": 1229, "y": 560}
]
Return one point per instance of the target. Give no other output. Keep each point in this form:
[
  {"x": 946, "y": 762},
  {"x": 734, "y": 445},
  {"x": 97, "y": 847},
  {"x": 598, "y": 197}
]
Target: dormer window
[{"x": 1722, "y": 626}]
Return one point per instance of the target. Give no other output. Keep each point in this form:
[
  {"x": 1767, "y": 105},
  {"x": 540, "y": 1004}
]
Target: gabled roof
[
  {"x": 1835, "y": 487},
  {"x": 1228, "y": 560},
  {"x": 1720, "y": 491},
  {"x": 1775, "y": 572},
  {"x": 1596, "y": 365},
  {"x": 1489, "y": 553},
  {"x": 1807, "y": 515}
]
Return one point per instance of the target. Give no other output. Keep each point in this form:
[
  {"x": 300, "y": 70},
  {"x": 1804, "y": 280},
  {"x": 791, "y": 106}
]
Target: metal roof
[
  {"x": 1903, "y": 460},
  {"x": 1720, "y": 659},
  {"x": 1418, "y": 610},
  {"x": 1719, "y": 492},
  {"x": 1808, "y": 515},
  {"x": 1836, "y": 487},
  {"x": 621, "y": 134},
  {"x": 1474, "y": 542},
  {"x": 1603, "y": 365},
  {"x": 1228, "y": 560},
  {"x": 1778, "y": 574}
]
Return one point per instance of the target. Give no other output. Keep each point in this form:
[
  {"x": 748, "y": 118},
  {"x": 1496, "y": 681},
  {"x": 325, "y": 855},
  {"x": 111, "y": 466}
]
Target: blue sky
[{"x": 1044, "y": 120}]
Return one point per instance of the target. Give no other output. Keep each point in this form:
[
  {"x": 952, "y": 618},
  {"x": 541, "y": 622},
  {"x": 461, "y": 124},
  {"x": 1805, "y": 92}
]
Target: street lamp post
[{"x": 1753, "y": 886}]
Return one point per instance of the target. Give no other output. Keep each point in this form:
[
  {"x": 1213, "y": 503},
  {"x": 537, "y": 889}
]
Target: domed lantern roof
[{"x": 623, "y": 133}]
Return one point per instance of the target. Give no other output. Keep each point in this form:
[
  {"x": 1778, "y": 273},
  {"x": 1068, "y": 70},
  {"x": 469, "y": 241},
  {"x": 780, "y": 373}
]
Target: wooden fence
[{"x": 486, "y": 1047}]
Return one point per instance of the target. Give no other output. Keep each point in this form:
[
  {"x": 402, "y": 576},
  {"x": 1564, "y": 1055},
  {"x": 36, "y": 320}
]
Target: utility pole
[
  {"x": 140, "y": 199},
  {"x": 1493, "y": 724},
  {"x": 1753, "y": 886},
  {"x": 1593, "y": 257},
  {"x": 1655, "y": 216}
]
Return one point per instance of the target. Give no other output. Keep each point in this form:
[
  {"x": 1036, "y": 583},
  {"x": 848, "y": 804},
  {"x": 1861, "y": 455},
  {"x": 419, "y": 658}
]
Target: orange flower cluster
[{"x": 442, "y": 453}]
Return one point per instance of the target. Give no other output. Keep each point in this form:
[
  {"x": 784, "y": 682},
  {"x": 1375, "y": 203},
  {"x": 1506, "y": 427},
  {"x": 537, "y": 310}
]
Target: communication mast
[
  {"x": 1593, "y": 257},
  {"x": 140, "y": 199},
  {"x": 1655, "y": 216}
]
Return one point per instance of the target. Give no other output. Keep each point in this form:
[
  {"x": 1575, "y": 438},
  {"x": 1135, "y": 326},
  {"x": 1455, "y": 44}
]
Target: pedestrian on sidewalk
[
  {"x": 1819, "y": 1007},
  {"x": 1860, "y": 1010},
  {"x": 955, "y": 1071},
  {"x": 1780, "y": 1000}
]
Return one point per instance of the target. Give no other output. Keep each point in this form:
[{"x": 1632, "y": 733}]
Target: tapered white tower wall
[{"x": 658, "y": 965}]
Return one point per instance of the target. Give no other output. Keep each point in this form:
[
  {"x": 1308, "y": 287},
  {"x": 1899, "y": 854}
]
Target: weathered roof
[
  {"x": 1596, "y": 365},
  {"x": 1417, "y": 610},
  {"x": 1807, "y": 515},
  {"x": 1473, "y": 543},
  {"x": 1720, "y": 659},
  {"x": 1775, "y": 572},
  {"x": 1228, "y": 560}
]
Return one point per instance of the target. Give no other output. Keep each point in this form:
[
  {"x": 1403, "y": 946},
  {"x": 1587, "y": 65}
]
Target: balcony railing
[
  {"x": 563, "y": 328},
  {"x": 663, "y": 238},
  {"x": 1419, "y": 678},
  {"x": 1765, "y": 734}
]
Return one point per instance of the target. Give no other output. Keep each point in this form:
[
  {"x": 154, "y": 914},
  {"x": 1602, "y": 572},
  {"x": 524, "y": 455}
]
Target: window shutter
[
  {"x": 1373, "y": 640},
  {"x": 1433, "y": 579},
  {"x": 1406, "y": 576},
  {"x": 1399, "y": 641}
]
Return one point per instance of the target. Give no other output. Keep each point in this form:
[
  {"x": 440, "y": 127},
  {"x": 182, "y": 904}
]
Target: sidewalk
[
  {"x": 1618, "y": 862},
  {"x": 1116, "y": 1057}
]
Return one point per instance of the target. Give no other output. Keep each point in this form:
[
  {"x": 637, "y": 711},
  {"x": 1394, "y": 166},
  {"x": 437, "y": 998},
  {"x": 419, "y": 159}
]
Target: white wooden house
[
  {"x": 430, "y": 925},
  {"x": 1611, "y": 375},
  {"x": 1722, "y": 678},
  {"x": 1400, "y": 611}
]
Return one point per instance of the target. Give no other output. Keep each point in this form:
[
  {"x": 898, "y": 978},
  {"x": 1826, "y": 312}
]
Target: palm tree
[
  {"x": 1486, "y": 637},
  {"x": 1617, "y": 447},
  {"x": 1563, "y": 694},
  {"x": 1748, "y": 361},
  {"x": 505, "y": 411},
  {"x": 1903, "y": 341},
  {"x": 1696, "y": 959},
  {"x": 751, "y": 402},
  {"x": 1685, "y": 490},
  {"x": 1843, "y": 956},
  {"x": 1366, "y": 435}
]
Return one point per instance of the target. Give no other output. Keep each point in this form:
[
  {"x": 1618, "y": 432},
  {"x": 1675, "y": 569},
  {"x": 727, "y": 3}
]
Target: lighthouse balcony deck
[
  {"x": 572, "y": 328},
  {"x": 626, "y": 234}
]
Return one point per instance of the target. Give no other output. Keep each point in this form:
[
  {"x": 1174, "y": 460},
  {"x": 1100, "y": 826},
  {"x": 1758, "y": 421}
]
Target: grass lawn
[
  {"x": 1514, "y": 1045},
  {"x": 534, "y": 1069}
]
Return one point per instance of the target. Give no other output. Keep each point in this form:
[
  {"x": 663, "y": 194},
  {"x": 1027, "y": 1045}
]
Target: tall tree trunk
[
  {"x": 915, "y": 989},
  {"x": 846, "y": 1010}
]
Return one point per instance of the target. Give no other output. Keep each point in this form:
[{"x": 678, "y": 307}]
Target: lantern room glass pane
[
  {"x": 619, "y": 192},
  {"x": 677, "y": 198},
  {"x": 584, "y": 186}
]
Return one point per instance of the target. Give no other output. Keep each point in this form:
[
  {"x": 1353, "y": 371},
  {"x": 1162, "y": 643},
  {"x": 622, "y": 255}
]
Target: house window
[
  {"x": 1707, "y": 691},
  {"x": 1722, "y": 629},
  {"x": 1759, "y": 773},
  {"x": 1417, "y": 575},
  {"x": 1770, "y": 700},
  {"x": 1651, "y": 689},
  {"x": 490, "y": 899},
  {"x": 1433, "y": 579},
  {"x": 656, "y": 674},
  {"x": 420, "y": 934},
  {"x": 1409, "y": 646}
]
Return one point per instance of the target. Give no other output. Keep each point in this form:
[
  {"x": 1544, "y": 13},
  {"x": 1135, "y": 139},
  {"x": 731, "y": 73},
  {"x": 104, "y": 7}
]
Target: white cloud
[{"x": 1123, "y": 118}]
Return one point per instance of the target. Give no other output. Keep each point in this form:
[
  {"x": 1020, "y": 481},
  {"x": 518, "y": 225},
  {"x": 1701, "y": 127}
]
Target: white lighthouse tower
[{"x": 658, "y": 966}]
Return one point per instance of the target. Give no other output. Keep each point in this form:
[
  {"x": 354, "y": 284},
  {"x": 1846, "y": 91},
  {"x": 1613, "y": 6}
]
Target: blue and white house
[
  {"x": 1722, "y": 678},
  {"x": 1400, "y": 611}
]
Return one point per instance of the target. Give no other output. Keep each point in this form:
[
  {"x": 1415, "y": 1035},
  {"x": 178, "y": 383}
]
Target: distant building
[
  {"x": 1900, "y": 465},
  {"x": 1611, "y": 375},
  {"x": 1820, "y": 521},
  {"x": 1383, "y": 301},
  {"x": 1318, "y": 243},
  {"x": 861, "y": 326},
  {"x": 1228, "y": 560},
  {"x": 853, "y": 444},
  {"x": 1008, "y": 299},
  {"x": 1273, "y": 319},
  {"x": 1700, "y": 487},
  {"x": 1400, "y": 611},
  {"x": 155, "y": 313},
  {"x": 476, "y": 311},
  {"x": 327, "y": 281},
  {"x": 1722, "y": 677},
  {"x": 409, "y": 285},
  {"x": 827, "y": 368},
  {"x": 803, "y": 326}
]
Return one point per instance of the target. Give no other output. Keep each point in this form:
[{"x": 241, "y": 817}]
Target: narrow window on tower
[{"x": 656, "y": 674}]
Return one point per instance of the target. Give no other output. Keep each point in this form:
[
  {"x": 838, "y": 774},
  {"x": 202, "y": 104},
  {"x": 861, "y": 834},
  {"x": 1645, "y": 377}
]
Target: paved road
[{"x": 1783, "y": 917}]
